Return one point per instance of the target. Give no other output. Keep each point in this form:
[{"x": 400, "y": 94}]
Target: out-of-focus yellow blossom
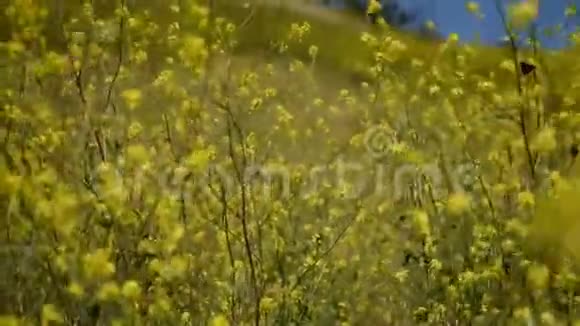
[
  {"x": 9, "y": 183},
  {"x": 517, "y": 227},
  {"x": 452, "y": 292},
  {"x": 374, "y": 7},
  {"x": 526, "y": 198},
  {"x": 556, "y": 222},
  {"x": 50, "y": 314},
  {"x": 402, "y": 275},
  {"x": 508, "y": 65},
  {"x": 15, "y": 48},
  {"x": 523, "y": 13},
  {"x": 522, "y": 313},
  {"x": 435, "y": 265},
  {"x": 199, "y": 160},
  {"x": 109, "y": 291},
  {"x": 472, "y": 7},
  {"x": 313, "y": 51},
  {"x": 458, "y": 203},
  {"x": 219, "y": 320},
  {"x": 175, "y": 268},
  {"x": 131, "y": 289},
  {"x": 193, "y": 51},
  {"x": 398, "y": 147},
  {"x": 538, "y": 276},
  {"x": 137, "y": 154},
  {"x": 430, "y": 25},
  {"x": 570, "y": 11},
  {"x": 268, "y": 303},
  {"x": 453, "y": 38},
  {"x": 548, "y": 318},
  {"x": 75, "y": 289},
  {"x": 132, "y": 97},
  {"x": 499, "y": 189},
  {"x": 545, "y": 140},
  {"x": 508, "y": 246},
  {"x": 10, "y": 321},
  {"x": 421, "y": 220},
  {"x": 97, "y": 264},
  {"x": 135, "y": 129}
]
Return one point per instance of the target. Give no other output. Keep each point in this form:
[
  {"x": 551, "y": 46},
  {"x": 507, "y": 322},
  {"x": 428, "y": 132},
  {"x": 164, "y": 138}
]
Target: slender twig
[
  {"x": 100, "y": 145},
  {"x": 243, "y": 213},
  {"x": 245, "y": 228},
  {"x": 325, "y": 253},
  {"x": 22, "y": 87},
  {"x": 248, "y": 18},
  {"x": 522, "y": 108},
  {"x": 78, "y": 77},
  {"x": 225, "y": 221},
  {"x": 119, "y": 56},
  {"x": 169, "y": 136}
]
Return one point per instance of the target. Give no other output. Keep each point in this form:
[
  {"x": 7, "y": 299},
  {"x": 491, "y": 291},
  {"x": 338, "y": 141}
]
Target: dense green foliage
[{"x": 174, "y": 164}]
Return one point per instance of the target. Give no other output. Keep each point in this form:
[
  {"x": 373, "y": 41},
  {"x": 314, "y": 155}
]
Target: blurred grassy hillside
[
  {"x": 266, "y": 24},
  {"x": 336, "y": 30},
  {"x": 337, "y": 35}
]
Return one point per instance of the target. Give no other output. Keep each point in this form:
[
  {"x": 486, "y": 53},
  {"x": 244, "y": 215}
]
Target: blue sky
[{"x": 451, "y": 16}]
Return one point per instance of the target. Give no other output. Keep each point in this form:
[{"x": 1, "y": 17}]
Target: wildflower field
[{"x": 189, "y": 162}]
